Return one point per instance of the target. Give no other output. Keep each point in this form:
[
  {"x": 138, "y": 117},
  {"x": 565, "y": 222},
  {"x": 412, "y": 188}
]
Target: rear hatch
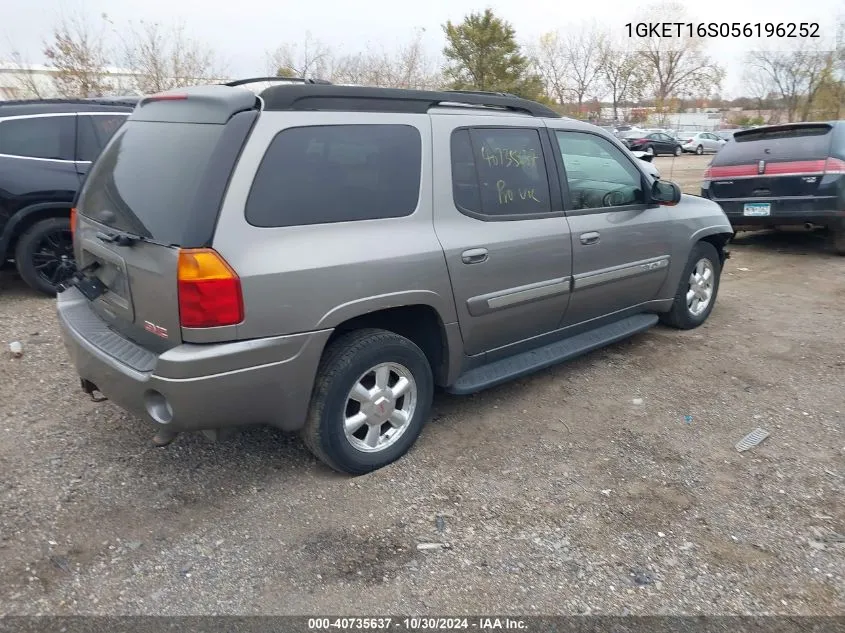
[
  {"x": 784, "y": 161},
  {"x": 156, "y": 188}
]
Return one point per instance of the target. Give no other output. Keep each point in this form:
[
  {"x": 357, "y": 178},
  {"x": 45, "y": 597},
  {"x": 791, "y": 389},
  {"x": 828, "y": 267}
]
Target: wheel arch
[
  {"x": 27, "y": 217},
  {"x": 420, "y": 323}
]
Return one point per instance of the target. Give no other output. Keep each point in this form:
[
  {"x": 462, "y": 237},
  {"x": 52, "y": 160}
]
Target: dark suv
[
  {"x": 46, "y": 147},
  {"x": 780, "y": 175}
]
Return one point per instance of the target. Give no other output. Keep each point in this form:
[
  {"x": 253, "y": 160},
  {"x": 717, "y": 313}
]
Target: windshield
[{"x": 147, "y": 177}]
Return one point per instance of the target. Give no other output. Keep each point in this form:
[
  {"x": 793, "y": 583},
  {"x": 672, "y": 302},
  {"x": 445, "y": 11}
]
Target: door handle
[
  {"x": 590, "y": 238},
  {"x": 474, "y": 256}
]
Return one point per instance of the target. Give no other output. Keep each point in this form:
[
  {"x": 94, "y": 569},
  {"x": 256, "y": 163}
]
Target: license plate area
[
  {"x": 108, "y": 279},
  {"x": 757, "y": 209}
]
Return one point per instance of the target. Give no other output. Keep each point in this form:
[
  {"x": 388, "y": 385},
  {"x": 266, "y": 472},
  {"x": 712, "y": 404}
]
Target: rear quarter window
[{"x": 337, "y": 173}]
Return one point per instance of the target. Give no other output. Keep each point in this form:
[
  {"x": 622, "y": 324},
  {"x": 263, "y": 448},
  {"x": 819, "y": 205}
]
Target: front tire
[
  {"x": 44, "y": 255},
  {"x": 697, "y": 289},
  {"x": 371, "y": 399}
]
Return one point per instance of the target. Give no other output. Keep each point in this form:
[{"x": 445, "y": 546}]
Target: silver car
[
  {"x": 320, "y": 258},
  {"x": 701, "y": 142}
]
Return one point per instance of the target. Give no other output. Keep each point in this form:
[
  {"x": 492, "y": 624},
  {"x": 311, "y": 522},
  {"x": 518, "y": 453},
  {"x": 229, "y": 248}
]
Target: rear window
[
  {"x": 799, "y": 142},
  {"x": 147, "y": 177},
  {"x": 337, "y": 173}
]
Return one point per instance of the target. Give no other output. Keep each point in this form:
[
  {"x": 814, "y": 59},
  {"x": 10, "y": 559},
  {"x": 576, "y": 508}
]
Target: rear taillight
[
  {"x": 834, "y": 166},
  {"x": 72, "y": 222},
  {"x": 209, "y": 290},
  {"x": 708, "y": 173}
]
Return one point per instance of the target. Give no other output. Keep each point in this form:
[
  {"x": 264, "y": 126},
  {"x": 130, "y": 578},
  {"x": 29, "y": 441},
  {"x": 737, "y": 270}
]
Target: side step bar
[{"x": 506, "y": 369}]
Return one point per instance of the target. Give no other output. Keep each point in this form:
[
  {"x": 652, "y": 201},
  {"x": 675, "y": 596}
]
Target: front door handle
[
  {"x": 474, "y": 256},
  {"x": 590, "y": 238}
]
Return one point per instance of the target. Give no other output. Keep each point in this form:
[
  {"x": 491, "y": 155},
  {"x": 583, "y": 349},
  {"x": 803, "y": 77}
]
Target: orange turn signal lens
[{"x": 73, "y": 221}]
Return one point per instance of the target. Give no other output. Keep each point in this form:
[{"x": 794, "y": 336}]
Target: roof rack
[
  {"x": 369, "y": 99},
  {"x": 295, "y": 80},
  {"x": 482, "y": 92}
]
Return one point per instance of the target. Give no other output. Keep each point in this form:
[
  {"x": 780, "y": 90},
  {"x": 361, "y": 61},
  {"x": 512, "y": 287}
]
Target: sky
[{"x": 242, "y": 32}]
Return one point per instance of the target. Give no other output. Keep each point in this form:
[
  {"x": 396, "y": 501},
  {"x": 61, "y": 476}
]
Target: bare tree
[
  {"x": 583, "y": 46},
  {"x": 621, "y": 71},
  {"x": 310, "y": 59},
  {"x": 77, "y": 51},
  {"x": 678, "y": 66},
  {"x": 163, "y": 58},
  {"x": 550, "y": 59},
  {"x": 407, "y": 67},
  {"x": 796, "y": 75},
  {"x": 760, "y": 87},
  {"x": 26, "y": 80}
]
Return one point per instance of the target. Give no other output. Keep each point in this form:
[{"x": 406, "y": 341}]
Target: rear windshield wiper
[{"x": 119, "y": 239}]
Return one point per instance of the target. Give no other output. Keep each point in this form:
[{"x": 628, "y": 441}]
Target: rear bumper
[
  {"x": 785, "y": 211},
  {"x": 197, "y": 387}
]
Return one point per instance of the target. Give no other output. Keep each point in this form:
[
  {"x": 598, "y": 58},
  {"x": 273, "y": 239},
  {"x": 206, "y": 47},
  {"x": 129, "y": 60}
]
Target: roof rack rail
[
  {"x": 294, "y": 80},
  {"x": 370, "y": 99},
  {"x": 482, "y": 92}
]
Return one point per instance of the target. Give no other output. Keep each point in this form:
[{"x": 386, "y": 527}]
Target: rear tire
[
  {"x": 678, "y": 150},
  {"x": 357, "y": 380},
  {"x": 44, "y": 255},
  {"x": 688, "y": 313},
  {"x": 699, "y": 150}
]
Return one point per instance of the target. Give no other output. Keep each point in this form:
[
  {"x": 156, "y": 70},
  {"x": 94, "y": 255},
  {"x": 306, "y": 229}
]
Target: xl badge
[{"x": 149, "y": 326}]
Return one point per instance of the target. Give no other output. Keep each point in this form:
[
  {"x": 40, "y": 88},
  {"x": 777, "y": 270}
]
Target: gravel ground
[{"x": 607, "y": 485}]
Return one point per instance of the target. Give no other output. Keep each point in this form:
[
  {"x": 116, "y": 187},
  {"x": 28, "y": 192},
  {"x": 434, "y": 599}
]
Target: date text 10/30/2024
[
  {"x": 417, "y": 624},
  {"x": 670, "y": 30}
]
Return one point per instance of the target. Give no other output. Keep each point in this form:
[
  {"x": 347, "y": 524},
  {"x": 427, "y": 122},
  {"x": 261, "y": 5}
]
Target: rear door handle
[
  {"x": 590, "y": 238},
  {"x": 474, "y": 256}
]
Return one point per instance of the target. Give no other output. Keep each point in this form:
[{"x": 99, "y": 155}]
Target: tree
[
  {"x": 678, "y": 66},
  {"x": 550, "y": 60},
  {"x": 407, "y": 67},
  {"x": 621, "y": 71},
  {"x": 796, "y": 75},
  {"x": 583, "y": 46},
  {"x": 482, "y": 54},
  {"x": 27, "y": 83},
  {"x": 77, "y": 51},
  {"x": 311, "y": 59},
  {"x": 163, "y": 58}
]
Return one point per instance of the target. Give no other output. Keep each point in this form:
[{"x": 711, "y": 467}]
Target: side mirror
[{"x": 665, "y": 192}]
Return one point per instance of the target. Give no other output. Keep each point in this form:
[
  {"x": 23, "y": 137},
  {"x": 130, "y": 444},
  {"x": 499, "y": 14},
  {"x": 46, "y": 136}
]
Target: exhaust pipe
[{"x": 809, "y": 226}]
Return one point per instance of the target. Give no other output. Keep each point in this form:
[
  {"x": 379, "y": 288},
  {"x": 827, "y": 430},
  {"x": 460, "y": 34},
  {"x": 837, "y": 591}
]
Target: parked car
[
  {"x": 701, "y": 143},
  {"x": 654, "y": 143},
  {"x": 46, "y": 147},
  {"x": 727, "y": 135},
  {"x": 781, "y": 175},
  {"x": 321, "y": 258}
]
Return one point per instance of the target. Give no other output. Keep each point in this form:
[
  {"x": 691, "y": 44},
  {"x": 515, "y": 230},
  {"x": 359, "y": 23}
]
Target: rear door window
[
  {"x": 93, "y": 131},
  {"x": 50, "y": 137},
  {"x": 337, "y": 173},
  {"x": 147, "y": 177},
  {"x": 499, "y": 172}
]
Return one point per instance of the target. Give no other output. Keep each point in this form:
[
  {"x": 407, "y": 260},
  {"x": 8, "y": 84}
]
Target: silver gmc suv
[{"x": 319, "y": 258}]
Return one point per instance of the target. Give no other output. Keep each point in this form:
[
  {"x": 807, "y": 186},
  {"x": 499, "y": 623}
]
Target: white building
[{"x": 36, "y": 81}]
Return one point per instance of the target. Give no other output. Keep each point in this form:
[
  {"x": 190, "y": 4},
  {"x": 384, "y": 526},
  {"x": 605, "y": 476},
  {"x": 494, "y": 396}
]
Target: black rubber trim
[
  {"x": 525, "y": 363},
  {"x": 209, "y": 200},
  {"x": 369, "y": 99}
]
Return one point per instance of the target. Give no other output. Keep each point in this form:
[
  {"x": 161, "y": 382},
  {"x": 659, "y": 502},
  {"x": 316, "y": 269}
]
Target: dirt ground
[{"x": 553, "y": 494}]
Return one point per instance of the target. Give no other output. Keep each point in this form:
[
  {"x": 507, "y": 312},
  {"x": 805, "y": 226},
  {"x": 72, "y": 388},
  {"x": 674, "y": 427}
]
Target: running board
[{"x": 506, "y": 369}]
